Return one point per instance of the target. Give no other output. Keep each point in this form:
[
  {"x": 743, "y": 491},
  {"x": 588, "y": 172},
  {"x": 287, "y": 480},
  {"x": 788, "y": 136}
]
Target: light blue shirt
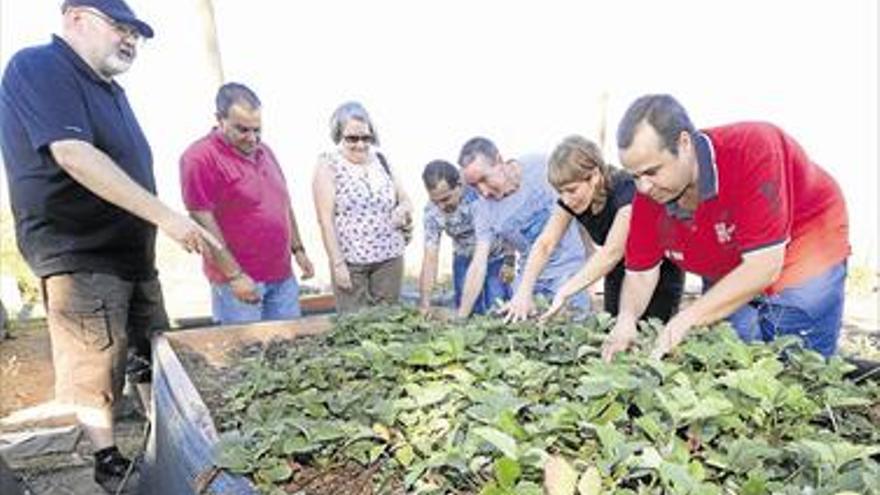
[{"x": 519, "y": 218}]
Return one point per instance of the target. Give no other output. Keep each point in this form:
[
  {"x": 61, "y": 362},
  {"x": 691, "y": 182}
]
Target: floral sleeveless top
[{"x": 365, "y": 197}]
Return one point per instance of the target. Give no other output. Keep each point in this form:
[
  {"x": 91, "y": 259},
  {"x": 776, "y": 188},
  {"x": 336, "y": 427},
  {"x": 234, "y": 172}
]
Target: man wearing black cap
[{"x": 83, "y": 196}]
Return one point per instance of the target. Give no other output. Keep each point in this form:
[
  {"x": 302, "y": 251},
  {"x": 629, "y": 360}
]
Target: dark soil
[{"x": 212, "y": 381}]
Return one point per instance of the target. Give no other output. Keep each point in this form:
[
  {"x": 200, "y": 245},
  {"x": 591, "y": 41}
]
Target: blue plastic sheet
[{"x": 180, "y": 453}]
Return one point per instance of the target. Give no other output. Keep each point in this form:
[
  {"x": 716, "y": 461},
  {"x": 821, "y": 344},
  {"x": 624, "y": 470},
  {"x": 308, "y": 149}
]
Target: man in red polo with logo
[
  {"x": 743, "y": 207},
  {"x": 232, "y": 185}
]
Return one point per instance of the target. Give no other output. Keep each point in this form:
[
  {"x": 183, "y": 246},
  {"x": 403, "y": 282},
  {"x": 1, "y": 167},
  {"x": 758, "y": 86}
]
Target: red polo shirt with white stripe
[
  {"x": 757, "y": 189},
  {"x": 249, "y": 200}
]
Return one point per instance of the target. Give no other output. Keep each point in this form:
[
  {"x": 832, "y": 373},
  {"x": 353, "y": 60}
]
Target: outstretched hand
[
  {"x": 621, "y": 338},
  {"x": 668, "y": 339},
  {"x": 190, "y": 235},
  {"x": 557, "y": 304},
  {"x": 519, "y": 308}
]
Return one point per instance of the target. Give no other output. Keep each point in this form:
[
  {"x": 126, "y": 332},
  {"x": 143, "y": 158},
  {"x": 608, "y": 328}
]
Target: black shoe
[{"x": 110, "y": 468}]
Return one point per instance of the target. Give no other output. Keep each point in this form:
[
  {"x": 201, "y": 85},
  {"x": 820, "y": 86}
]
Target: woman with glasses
[
  {"x": 364, "y": 213},
  {"x": 599, "y": 197}
]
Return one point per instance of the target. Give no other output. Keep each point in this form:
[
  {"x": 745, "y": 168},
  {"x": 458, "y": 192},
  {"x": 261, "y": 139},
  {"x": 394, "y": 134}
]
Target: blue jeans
[
  {"x": 278, "y": 301},
  {"x": 493, "y": 287},
  {"x": 812, "y": 310}
]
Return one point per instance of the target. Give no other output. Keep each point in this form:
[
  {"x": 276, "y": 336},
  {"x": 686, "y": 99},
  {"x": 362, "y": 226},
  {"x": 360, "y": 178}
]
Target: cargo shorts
[{"x": 100, "y": 327}]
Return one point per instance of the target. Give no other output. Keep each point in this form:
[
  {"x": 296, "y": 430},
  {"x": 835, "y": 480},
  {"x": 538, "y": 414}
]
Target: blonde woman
[
  {"x": 599, "y": 197},
  {"x": 364, "y": 213}
]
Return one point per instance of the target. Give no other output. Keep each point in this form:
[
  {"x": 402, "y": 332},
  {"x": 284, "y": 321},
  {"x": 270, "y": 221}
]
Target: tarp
[
  {"x": 181, "y": 449},
  {"x": 180, "y": 453}
]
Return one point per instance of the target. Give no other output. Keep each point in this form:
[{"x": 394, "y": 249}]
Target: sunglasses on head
[{"x": 353, "y": 139}]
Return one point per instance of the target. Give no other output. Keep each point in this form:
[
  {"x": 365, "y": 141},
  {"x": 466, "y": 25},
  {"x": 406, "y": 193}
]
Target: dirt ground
[{"x": 26, "y": 379}]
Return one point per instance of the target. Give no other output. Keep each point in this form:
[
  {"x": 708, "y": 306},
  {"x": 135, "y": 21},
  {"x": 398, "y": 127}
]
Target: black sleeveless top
[{"x": 622, "y": 189}]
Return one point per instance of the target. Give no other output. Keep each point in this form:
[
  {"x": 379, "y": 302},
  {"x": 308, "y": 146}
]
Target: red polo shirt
[
  {"x": 248, "y": 197},
  {"x": 757, "y": 189}
]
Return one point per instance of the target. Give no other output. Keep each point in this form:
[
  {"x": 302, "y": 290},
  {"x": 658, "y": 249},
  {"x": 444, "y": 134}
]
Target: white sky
[{"x": 526, "y": 74}]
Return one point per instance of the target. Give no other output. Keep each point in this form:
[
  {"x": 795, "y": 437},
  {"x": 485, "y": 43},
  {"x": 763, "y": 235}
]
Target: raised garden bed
[{"x": 391, "y": 403}]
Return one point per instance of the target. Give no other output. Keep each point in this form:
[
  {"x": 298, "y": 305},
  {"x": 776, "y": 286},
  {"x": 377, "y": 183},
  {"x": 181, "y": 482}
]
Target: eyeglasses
[
  {"x": 123, "y": 30},
  {"x": 353, "y": 139}
]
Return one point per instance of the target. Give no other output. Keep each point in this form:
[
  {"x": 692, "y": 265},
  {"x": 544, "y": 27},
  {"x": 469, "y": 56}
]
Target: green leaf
[
  {"x": 429, "y": 393},
  {"x": 651, "y": 427},
  {"x": 501, "y": 441},
  {"x": 297, "y": 444},
  {"x": 236, "y": 459},
  {"x": 677, "y": 479},
  {"x": 756, "y": 484},
  {"x": 233, "y": 453},
  {"x": 744, "y": 455},
  {"x": 414, "y": 472},
  {"x": 364, "y": 450},
  {"x": 528, "y": 488},
  {"x": 685, "y": 406},
  {"x": 649, "y": 459},
  {"x": 508, "y": 423},
  {"x": 533, "y": 457},
  {"x": 492, "y": 400},
  {"x": 274, "y": 470},
  {"x": 493, "y": 489},
  {"x": 425, "y": 356},
  {"x": 758, "y": 382},
  {"x": 610, "y": 438},
  {"x": 837, "y": 397},
  {"x": 375, "y": 452},
  {"x": 835, "y": 454},
  {"x": 405, "y": 455},
  {"x": 326, "y": 431},
  {"x": 507, "y": 472}
]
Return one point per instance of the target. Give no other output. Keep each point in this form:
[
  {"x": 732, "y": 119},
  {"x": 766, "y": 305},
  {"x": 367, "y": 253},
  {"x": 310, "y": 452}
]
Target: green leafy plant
[{"x": 420, "y": 406}]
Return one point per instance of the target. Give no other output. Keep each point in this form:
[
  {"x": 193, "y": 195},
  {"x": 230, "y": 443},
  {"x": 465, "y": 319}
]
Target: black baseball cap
[{"x": 117, "y": 10}]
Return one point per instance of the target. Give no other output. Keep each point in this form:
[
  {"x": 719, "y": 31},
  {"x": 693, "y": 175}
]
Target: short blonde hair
[{"x": 573, "y": 160}]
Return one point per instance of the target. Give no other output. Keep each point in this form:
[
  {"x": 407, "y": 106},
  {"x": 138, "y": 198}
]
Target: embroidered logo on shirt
[
  {"x": 674, "y": 255},
  {"x": 724, "y": 231}
]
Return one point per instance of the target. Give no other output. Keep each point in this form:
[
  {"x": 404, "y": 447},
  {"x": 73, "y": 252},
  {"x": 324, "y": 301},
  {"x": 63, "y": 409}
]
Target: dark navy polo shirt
[{"x": 49, "y": 93}]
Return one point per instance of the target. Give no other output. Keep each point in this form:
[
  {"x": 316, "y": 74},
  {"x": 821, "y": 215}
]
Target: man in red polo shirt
[
  {"x": 743, "y": 207},
  {"x": 233, "y": 186}
]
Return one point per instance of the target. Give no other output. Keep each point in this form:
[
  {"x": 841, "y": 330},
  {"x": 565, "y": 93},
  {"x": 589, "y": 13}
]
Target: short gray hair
[
  {"x": 348, "y": 111},
  {"x": 477, "y": 146},
  {"x": 231, "y": 93},
  {"x": 662, "y": 112}
]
